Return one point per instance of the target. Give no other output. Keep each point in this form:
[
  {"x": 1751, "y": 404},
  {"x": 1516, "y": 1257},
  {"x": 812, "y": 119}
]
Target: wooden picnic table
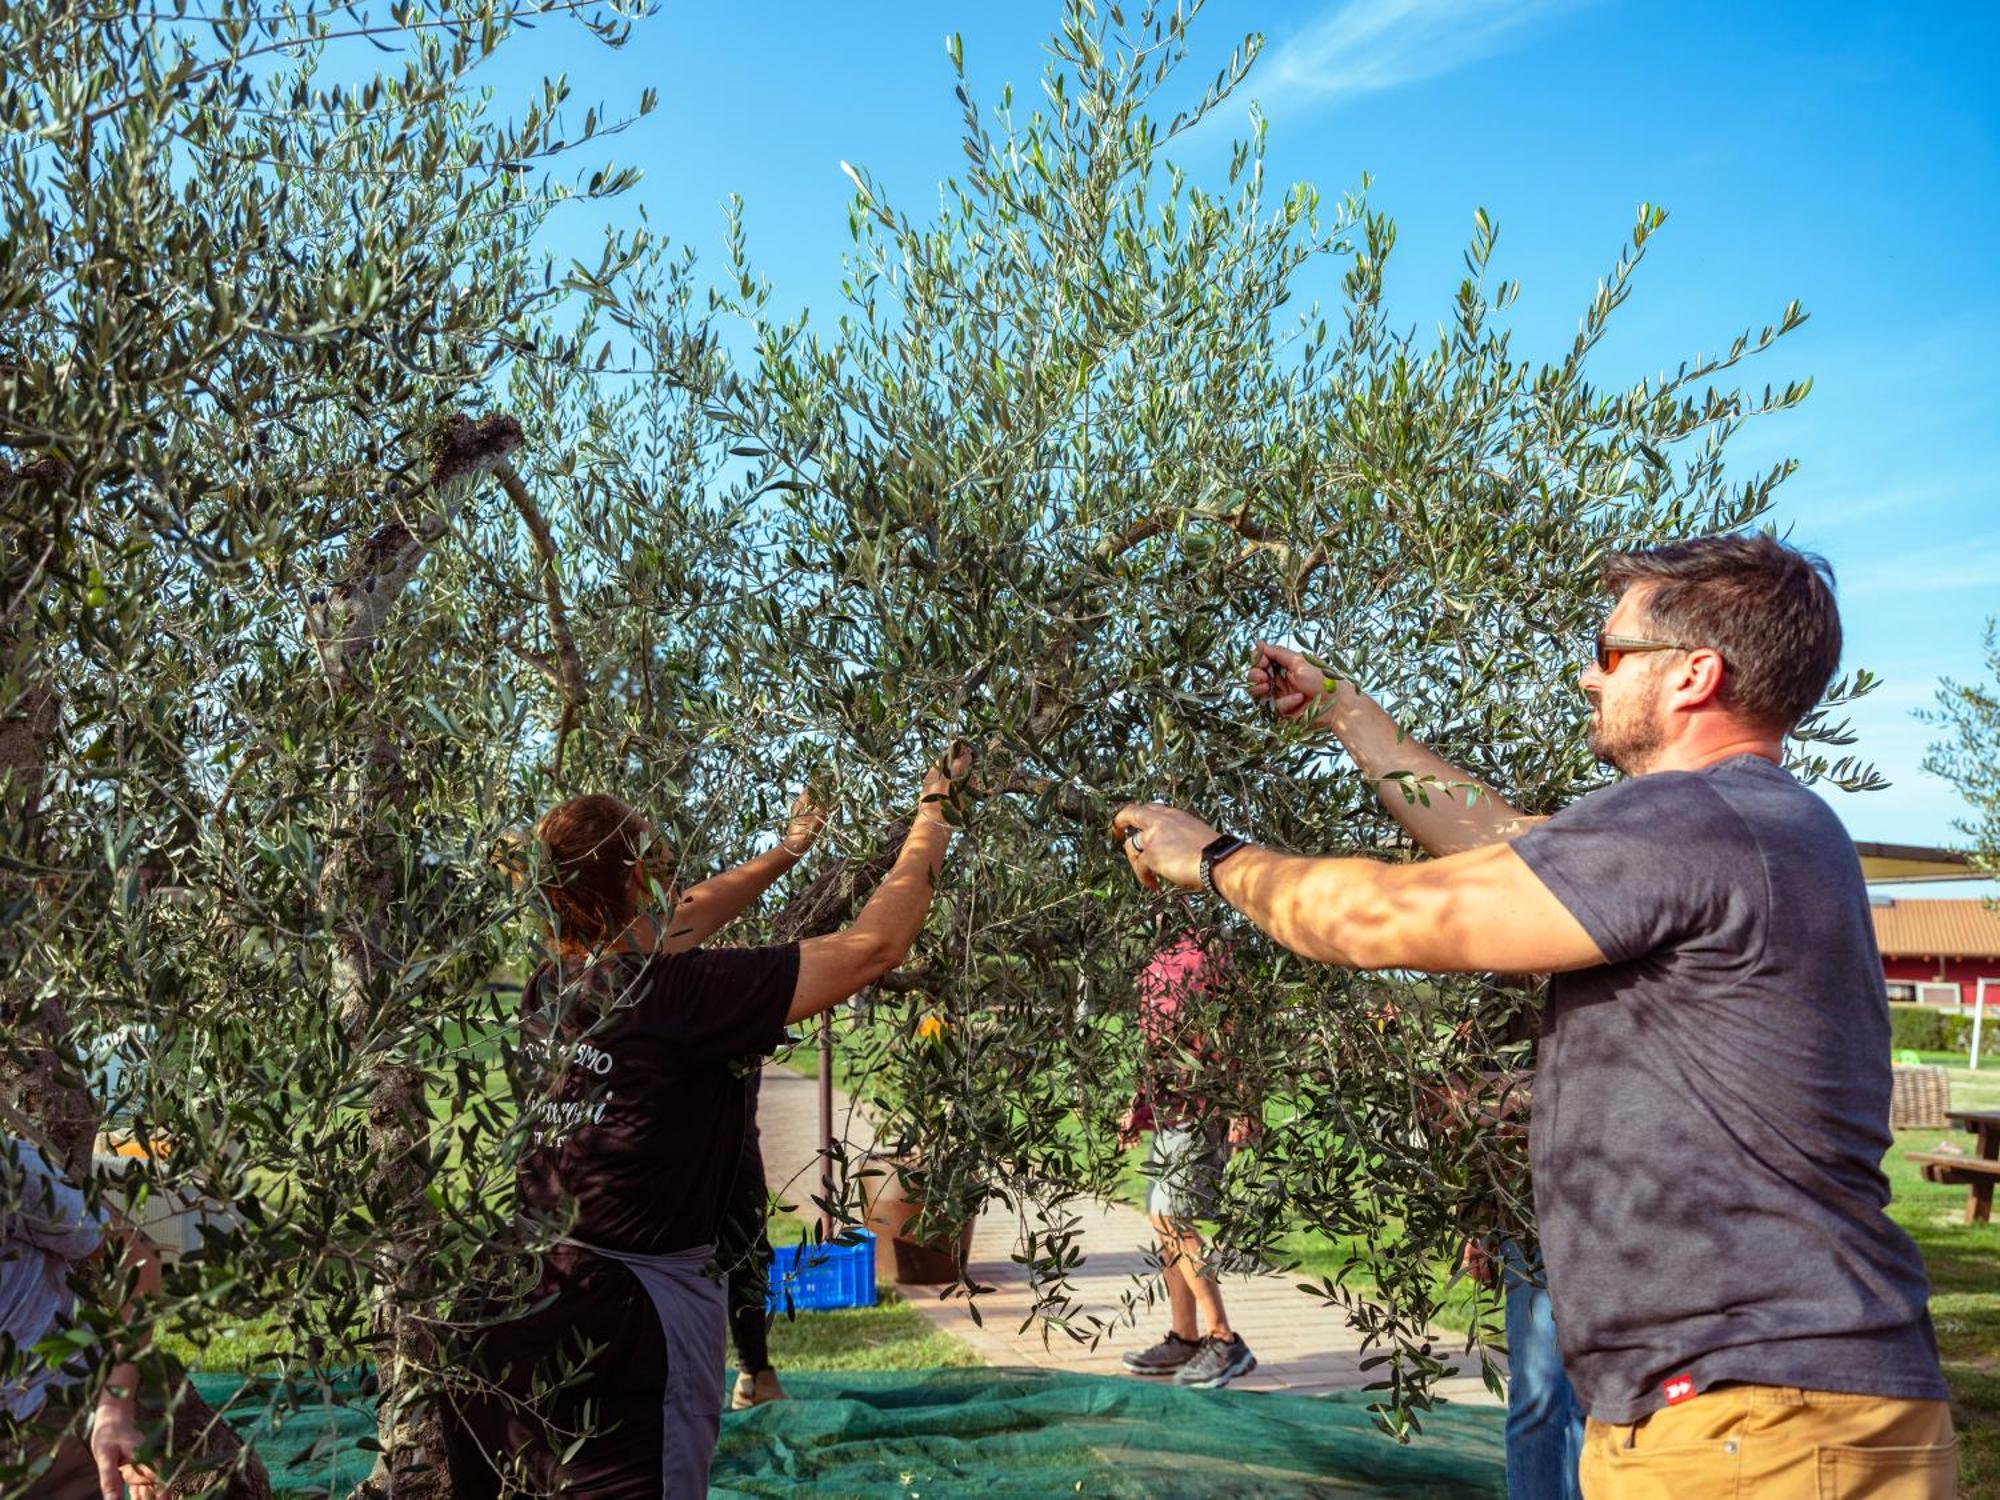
[
  {"x": 1984, "y": 1123},
  {"x": 1978, "y": 1172}
]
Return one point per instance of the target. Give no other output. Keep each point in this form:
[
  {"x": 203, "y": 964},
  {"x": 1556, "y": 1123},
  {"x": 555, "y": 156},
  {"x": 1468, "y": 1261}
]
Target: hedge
[{"x": 1934, "y": 1028}]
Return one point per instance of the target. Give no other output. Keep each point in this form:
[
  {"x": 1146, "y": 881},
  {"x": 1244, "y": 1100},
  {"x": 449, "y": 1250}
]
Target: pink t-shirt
[{"x": 1181, "y": 971}]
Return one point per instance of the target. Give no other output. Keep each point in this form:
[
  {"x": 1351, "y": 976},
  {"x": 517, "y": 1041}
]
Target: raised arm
[
  {"x": 1476, "y": 912},
  {"x": 1454, "y": 819},
  {"x": 846, "y": 962},
  {"x": 706, "y": 909}
]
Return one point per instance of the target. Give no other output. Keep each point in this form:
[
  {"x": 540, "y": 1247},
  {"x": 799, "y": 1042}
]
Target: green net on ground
[
  {"x": 310, "y": 1447},
  {"x": 995, "y": 1433},
  {"x": 999, "y": 1433}
]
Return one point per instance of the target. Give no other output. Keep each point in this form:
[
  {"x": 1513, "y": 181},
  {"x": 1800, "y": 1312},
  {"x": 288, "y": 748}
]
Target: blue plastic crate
[{"x": 823, "y": 1276}]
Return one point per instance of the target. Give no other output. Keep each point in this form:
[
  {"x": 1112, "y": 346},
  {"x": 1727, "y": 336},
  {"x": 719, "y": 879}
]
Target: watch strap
[{"x": 1213, "y": 854}]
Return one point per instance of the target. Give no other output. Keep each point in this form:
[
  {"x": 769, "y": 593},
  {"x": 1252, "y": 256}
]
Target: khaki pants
[{"x": 1775, "y": 1442}]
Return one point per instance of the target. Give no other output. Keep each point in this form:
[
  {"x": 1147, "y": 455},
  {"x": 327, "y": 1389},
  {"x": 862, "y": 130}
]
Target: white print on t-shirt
[
  {"x": 556, "y": 1118},
  {"x": 548, "y": 1052}
]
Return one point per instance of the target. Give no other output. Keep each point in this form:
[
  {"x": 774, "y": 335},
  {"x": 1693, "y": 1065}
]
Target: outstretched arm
[
  {"x": 846, "y": 962},
  {"x": 1445, "y": 809},
  {"x": 704, "y": 910},
  {"x": 1477, "y": 912}
]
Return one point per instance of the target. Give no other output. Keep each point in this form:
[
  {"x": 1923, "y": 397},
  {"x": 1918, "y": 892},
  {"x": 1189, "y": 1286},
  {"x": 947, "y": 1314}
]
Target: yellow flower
[{"x": 931, "y": 1028}]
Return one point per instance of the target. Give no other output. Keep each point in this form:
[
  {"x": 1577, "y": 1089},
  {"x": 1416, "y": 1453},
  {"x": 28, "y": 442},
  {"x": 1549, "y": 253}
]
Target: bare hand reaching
[
  {"x": 1477, "y": 1262},
  {"x": 1163, "y": 844},
  {"x": 943, "y": 779},
  {"x": 1294, "y": 685},
  {"x": 803, "y": 826}
]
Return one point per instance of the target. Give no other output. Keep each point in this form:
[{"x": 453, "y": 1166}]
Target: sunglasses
[{"x": 1612, "y": 649}]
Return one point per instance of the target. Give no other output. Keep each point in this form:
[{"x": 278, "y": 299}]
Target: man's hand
[
  {"x": 1245, "y": 1129},
  {"x": 114, "y": 1444},
  {"x": 802, "y": 828},
  {"x": 1294, "y": 685},
  {"x": 1163, "y": 844}
]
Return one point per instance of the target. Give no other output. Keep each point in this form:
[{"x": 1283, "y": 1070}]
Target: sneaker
[
  {"x": 1164, "y": 1358},
  {"x": 755, "y": 1390},
  {"x": 1216, "y": 1363}
]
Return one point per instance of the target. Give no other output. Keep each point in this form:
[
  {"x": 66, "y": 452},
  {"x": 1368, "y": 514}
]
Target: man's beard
[{"x": 1629, "y": 742}]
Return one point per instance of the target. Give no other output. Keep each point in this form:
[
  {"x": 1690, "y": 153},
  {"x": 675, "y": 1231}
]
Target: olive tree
[
  {"x": 343, "y": 531},
  {"x": 326, "y": 498},
  {"x": 1073, "y": 443},
  {"x": 1968, "y": 752}
]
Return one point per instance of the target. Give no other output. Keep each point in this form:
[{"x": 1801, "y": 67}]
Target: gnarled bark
[{"x": 360, "y": 887}]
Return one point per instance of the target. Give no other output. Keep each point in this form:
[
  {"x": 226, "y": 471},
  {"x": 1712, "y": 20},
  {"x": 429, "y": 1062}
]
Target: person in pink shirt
[{"x": 1189, "y": 1152}]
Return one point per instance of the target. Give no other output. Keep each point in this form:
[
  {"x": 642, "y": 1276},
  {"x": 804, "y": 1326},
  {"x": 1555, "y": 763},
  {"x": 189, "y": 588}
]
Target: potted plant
[{"x": 923, "y": 1206}]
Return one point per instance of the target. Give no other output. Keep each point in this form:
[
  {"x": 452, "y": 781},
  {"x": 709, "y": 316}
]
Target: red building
[{"x": 1930, "y": 942}]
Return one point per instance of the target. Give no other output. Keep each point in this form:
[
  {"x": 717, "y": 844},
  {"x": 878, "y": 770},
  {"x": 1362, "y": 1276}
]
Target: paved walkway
[{"x": 1302, "y": 1345}]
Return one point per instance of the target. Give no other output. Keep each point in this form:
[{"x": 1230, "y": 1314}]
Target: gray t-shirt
[
  {"x": 1712, "y": 1104},
  {"x": 45, "y": 1227}
]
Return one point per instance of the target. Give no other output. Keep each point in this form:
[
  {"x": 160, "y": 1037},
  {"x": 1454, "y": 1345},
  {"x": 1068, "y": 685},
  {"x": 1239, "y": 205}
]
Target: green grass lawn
[
  {"x": 852, "y": 1038},
  {"x": 892, "y": 1335},
  {"x": 232, "y": 1349},
  {"x": 1963, "y": 1260}
]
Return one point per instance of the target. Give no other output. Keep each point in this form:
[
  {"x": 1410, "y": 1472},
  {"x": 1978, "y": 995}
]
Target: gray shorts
[{"x": 1186, "y": 1163}]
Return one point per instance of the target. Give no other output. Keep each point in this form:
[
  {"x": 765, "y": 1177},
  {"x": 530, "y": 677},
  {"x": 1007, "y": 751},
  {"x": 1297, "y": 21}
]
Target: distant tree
[{"x": 1968, "y": 753}]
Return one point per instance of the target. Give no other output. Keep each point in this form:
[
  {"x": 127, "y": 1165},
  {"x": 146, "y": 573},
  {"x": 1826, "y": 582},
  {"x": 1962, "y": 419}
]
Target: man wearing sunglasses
[{"x": 1736, "y": 1311}]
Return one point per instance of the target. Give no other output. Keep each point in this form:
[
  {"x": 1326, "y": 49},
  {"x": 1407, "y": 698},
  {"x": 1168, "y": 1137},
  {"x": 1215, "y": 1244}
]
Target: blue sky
[{"x": 1845, "y": 155}]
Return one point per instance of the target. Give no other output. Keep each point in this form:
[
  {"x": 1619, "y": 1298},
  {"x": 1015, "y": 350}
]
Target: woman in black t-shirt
[{"x": 610, "y": 1385}]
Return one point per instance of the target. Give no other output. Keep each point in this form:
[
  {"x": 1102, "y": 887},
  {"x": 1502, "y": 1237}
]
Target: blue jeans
[{"x": 1544, "y": 1421}]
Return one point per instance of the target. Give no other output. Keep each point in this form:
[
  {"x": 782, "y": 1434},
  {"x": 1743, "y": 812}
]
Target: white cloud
[
  {"x": 1365, "y": 46},
  {"x": 1812, "y": 511},
  {"x": 1964, "y": 563}
]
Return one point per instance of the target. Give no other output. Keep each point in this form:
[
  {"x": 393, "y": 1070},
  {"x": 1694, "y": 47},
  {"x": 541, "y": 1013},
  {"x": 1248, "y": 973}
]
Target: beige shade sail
[{"x": 1886, "y": 864}]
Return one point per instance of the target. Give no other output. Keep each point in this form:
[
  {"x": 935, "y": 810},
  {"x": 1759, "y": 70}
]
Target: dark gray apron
[{"x": 693, "y": 1309}]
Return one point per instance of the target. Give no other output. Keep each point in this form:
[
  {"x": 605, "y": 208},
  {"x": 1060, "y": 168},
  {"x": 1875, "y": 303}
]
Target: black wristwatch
[{"x": 1213, "y": 854}]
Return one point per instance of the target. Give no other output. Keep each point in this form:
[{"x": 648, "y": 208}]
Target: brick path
[{"x": 1302, "y": 1345}]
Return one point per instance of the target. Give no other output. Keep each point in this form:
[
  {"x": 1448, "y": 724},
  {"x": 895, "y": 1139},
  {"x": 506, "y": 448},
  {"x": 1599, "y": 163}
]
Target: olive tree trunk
[{"x": 359, "y": 888}]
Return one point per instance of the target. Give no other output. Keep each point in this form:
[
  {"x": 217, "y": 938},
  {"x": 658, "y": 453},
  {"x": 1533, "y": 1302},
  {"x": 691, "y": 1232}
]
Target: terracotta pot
[{"x": 887, "y": 1206}]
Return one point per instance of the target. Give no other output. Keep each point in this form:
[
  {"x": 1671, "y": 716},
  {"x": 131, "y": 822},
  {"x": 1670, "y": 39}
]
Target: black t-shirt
[
  {"x": 1712, "y": 1104},
  {"x": 634, "y": 1071}
]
